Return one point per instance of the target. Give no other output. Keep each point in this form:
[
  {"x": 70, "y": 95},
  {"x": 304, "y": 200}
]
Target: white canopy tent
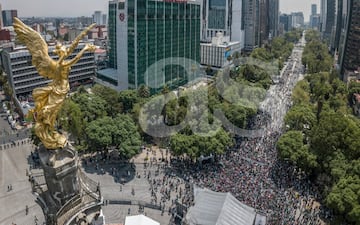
[
  {"x": 140, "y": 220},
  {"x": 214, "y": 208}
]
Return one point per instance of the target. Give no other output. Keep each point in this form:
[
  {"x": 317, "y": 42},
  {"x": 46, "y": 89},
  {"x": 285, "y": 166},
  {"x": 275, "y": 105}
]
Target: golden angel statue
[{"x": 49, "y": 99}]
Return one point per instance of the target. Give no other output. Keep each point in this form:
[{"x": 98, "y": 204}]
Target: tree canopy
[{"x": 322, "y": 135}]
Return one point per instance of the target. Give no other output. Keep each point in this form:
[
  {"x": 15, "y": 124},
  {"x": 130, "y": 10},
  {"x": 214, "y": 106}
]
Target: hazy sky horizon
[{"x": 74, "y": 8}]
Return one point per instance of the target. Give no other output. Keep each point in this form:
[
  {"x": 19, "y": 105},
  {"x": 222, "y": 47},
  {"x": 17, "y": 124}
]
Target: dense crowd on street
[{"x": 252, "y": 172}]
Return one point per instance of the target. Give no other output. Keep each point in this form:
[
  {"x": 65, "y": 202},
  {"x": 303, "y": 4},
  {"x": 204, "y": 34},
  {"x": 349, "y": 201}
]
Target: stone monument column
[{"x": 60, "y": 170}]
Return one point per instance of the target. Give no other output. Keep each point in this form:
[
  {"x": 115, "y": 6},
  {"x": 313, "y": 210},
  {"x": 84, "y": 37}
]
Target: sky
[{"x": 74, "y": 8}]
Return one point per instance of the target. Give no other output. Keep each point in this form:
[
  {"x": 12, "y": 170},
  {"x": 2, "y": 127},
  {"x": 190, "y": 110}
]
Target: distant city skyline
[{"x": 71, "y": 8}]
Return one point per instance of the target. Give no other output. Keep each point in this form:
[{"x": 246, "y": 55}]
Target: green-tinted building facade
[
  {"x": 162, "y": 37},
  {"x": 112, "y": 35}
]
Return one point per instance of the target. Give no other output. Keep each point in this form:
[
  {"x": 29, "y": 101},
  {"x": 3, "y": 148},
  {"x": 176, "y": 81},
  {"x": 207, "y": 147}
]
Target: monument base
[
  {"x": 67, "y": 193},
  {"x": 60, "y": 170}
]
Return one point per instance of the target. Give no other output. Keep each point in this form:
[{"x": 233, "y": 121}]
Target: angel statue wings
[{"x": 49, "y": 99}]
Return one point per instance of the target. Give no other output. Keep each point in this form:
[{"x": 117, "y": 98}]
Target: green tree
[
  {"x": 144, "y": 91},
  {"x": 301, "y": 93},
  {"x": 194, "y": 146},
  {"x": 176, "y": 110},
  {"x": 100, "y": 133},
  {"x": 128, "y": 98},
  {"x": 300, "y": 117},
  {"x": 335, "y": 133},
  {"x": 126, "y": 136},
  {"x": 291, "y": 148},
  {"x": 312, "y": 35},
  {"x": 261, "y": 54},
  {"x": 344, "y": 198},
  {"x": 92, "y": 106},
  {"x": 316, "y": 57},
  {"x": 111, "y": 97},
  {"x": 165, "y": 90},
  {"x": 71, "y": 119}
]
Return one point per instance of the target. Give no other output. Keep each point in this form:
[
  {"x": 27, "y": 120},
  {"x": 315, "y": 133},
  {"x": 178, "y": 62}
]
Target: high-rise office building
[
  {"x": 7, "y": 17},
  {"x": 314, "y": 17},
  {"x": 273, "y": 18},
  {"x": 313, "y": 9},
  {"x": 223, "y": 16},
  {"x": 285, "y": 22},
  {"x": 251, "y": 24},
  {"x": 350, "y": 55},
  {"x": 218, "y": 15},
  {"x": 297, "y": 19},
  {"x": 97, "y": 18},
  {"x": 161, "y": 36},
  {"x": 327, "y": 20},
  {"x": 341, "y": 26},
  {"x": 263, "y": 21},
  {"x": 112, "y": 24},
  {"x": 104, "y": 19},
  {"x": 237, "y": 28},
  {"x": 315, "y": 21}
]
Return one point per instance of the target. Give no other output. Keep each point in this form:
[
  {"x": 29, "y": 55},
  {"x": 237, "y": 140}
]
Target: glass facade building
[
  {"x": 350, "y": 57},
  {"x": 157, "y": 36},
  {"x": 217, "y": 14},
  {"x": 112, "y": 35}
]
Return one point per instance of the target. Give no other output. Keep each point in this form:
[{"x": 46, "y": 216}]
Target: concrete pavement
[{"x": 13, "y": 165}]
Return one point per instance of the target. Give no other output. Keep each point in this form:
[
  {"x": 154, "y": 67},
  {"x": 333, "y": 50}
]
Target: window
[{"x": 121, "y": 5}]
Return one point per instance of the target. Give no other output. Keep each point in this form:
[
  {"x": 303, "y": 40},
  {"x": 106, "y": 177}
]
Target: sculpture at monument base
[{"x": 49, "y": 99}]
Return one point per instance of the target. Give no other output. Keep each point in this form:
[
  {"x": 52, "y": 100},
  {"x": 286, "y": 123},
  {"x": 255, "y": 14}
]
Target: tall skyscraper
[
  {"x": 263, "y": 21},
  {"x": 323, "y": 10},
  {"x": 97, "y": 18},
  {"x": 327, "y": 21},
  {"x": 313, "y": 9},
  {"x": 273, "y": 17},
  {"x": 297, "y": 19},
  {"x": 350, "y": 55},
  {"x": 158, "y": 36},
  {"x": 341, "y": 26},
  {"x": 223, "y": 16},
  {"x": 104, "y": 19},
  {"x": 251, "y": 24},
  {"x": 285, "y": 22},
  {"x": 7, "y": 16},
  {"x": 237, "y": 29},
  {"x": 314, "y": 17},
  {"x": 112, "y": 24}
]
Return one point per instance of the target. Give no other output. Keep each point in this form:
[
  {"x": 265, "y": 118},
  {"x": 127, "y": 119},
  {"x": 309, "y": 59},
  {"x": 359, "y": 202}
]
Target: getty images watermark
[{"x": 151, "y": 117}]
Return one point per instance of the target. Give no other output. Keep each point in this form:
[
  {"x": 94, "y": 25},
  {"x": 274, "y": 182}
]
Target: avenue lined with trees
[{"x": 322, "y": 137}]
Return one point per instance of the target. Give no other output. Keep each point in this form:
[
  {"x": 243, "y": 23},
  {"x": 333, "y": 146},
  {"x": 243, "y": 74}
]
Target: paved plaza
[
  {"x": 13, "y": 165},
  {"x": 129, "y": 182}
]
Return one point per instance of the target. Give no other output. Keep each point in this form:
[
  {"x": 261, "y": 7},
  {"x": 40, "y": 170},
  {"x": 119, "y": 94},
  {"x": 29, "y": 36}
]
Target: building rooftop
[{"x": 109, "y": 73}]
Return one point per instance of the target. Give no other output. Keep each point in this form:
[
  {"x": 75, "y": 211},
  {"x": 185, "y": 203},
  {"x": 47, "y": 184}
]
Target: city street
[{"x": 125, "y": 186}]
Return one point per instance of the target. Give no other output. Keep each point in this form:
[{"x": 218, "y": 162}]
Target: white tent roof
[
  {"x": 214, "y": 208},
  {"x": 140, "y": 220}
]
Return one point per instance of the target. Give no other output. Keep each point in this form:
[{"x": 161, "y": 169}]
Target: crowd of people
[{"x": 252, "y": 172}]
